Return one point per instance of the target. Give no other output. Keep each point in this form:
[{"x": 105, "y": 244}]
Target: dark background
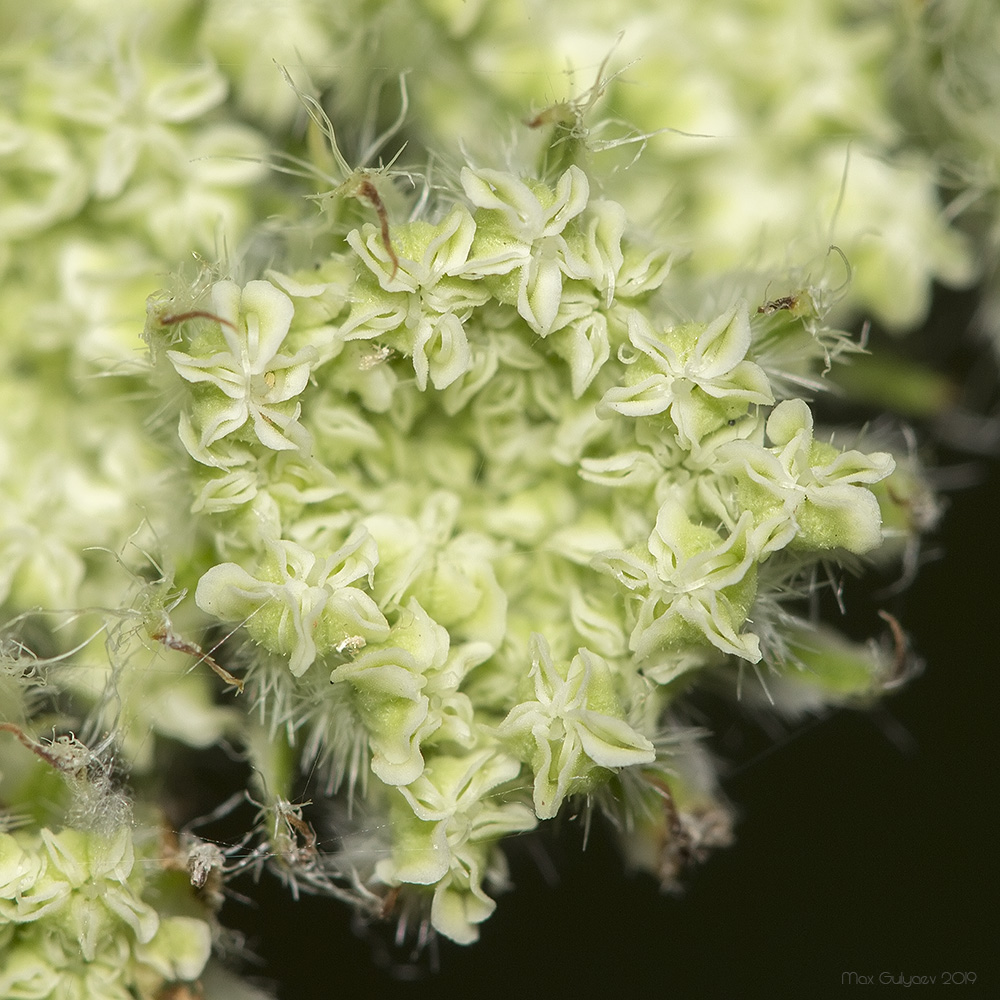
[{"x": 865, "y": 842}]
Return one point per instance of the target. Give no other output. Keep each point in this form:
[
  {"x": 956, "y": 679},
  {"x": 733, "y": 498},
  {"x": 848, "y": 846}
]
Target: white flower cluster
[
  {"x": 541, "y": 437},
  {"x": 462, "y": 482},
  {"x": 74, "y": 923}
]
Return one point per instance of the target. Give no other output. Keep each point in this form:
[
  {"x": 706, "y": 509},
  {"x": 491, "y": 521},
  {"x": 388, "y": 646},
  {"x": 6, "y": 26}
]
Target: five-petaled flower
[
  {"x": 521, "y": 234},
  {"x": 422, "y": 302},
  {"x": 572, "y": 728},
  {"x": 697, "y": 372},
  {"x": 806, "y": 491},
  {"x": 298, "y": 605},
  {"x": 253, "y": 381},
  {"x": 693, "y": 584},
  {"x": 451, "y": 822}
]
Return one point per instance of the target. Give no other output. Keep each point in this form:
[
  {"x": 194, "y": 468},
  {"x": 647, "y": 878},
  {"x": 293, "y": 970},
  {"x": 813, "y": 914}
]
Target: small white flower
[
  {"x": 253, "y": 380},
  {"x": 448, "y": 839},
  {"x": 531, "y": 223},
  {"x": 805, "y": 490},
  {"x": 422, "y": 301},
  {"x": 566, "y": 731},
  {"x": 699, "y": 373},
  {"x": 296, "y": 604},
  {"x": 694, "y": 585}
]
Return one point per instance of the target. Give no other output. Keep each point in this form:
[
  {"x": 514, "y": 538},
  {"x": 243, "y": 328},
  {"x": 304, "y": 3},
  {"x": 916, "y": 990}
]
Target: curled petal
[
  {"x": 723, "y": 344},
  {"x": 540, "y": 293},
  {"x": 789, "y": 418},
  {"x": 612, "y": 742},
  {"x": 440, "y": 350},
  {"x": 267, "y": 312}
]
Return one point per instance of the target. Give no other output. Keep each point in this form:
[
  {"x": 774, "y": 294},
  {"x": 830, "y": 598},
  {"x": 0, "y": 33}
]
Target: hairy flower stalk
[{"x": 435, "y": 502}]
